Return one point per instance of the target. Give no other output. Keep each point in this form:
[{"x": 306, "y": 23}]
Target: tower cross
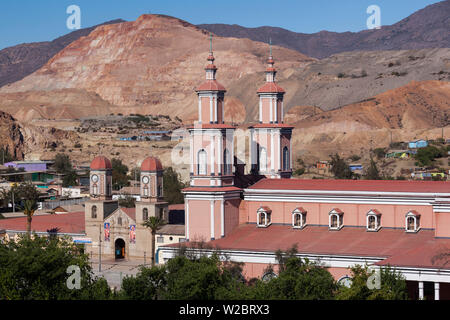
[{"x": 210, "y": 42}]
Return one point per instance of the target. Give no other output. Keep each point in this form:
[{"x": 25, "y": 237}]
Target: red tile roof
[
  {"x": 67, "y": 223},
  {"x": 211, "y": 189},
  {"x": 211, "y": 85},
  {"x": 151, "y": 164},
  {"x": 271, "y": 87},
  {"x": 211, "y": 126},
  {"x": 401, "y": 248},
  {"x": 354, "y": 185},
  {"x": 101, "y": 163},
  {"x": 131, "y": 212},
  {"x": 271, "y": 125}
]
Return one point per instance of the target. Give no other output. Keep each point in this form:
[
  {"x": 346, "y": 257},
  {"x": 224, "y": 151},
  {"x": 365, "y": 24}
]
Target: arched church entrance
[{"x": 119, "y": 249}]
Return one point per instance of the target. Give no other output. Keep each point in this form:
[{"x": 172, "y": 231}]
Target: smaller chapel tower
[
  {"x": 100, "y": 205},
  {"x": 271, "y": 147},
  {"x": 151, "y": 192}
]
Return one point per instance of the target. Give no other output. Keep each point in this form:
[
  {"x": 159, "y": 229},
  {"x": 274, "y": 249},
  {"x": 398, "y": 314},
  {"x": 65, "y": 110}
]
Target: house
[
  {"x": 417, "y": 144},
  {"x": 356, "y": 167}
]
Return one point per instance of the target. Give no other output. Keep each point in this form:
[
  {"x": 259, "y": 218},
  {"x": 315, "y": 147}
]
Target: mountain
[
  {"x": 418, "y": 110},
  {"x": 426, "y": 28},
  {"x": 19, "y": 61},
  {"x": 148, "y": 66}
]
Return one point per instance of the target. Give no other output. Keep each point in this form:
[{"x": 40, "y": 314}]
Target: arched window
[
  {"x": 94, "y": 212},
  {"x": 202, "y": 162},
  {"x": 336, "y": 219},
  {"x": 268, "y": 276},
  {"x": 161, "y": 213},
  {"x": 345, "y": 281},
  {"x": 299, "y": 218},
  {"x": 95, "y": 189},
  {"x": 226, "y": 162},
  {"x": 412, "y": 221},
  {"x": 119, "y": 221},
  {"x": 286, "y": 159},
  {"x": 145, "y": 214},
  {"x": 373, "y": 220},
  {"x": 264, "y": 217},
  {"x": 263, "y": 160}
]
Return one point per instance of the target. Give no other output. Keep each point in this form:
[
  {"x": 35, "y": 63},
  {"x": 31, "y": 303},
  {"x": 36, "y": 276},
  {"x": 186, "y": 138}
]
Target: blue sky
[{"x": 42, "y": 20}]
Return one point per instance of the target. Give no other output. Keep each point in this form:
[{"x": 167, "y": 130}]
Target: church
[
  {"x": 337, "y": 223},
  {"x": 117, "y": 231}
]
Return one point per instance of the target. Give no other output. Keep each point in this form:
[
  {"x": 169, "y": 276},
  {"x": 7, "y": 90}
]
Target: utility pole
[
  {"x": 13, "y": 204},
  {"x": 100, "y": 249}
]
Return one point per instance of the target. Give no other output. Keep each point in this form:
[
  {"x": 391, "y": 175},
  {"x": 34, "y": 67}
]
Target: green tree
[
  {"x": 298, "y": 279},
  {"x": 30, "y": 206},
  {"x": 127, "y": 202},
  {"x": 63, "y": 165},
  {"x": 148, "y": 284},
  {"x": 173, "y": 186},
  {"x": 392, "y": 285},
  {"x": 154, "y": 224},
  {"x": 18, "y": 193},
  {"x": 425, "y": 156},
  {"x": 372, "y": 172},
  {"x": 36, "y": 269},
  {"x": 119, "y": 174},
  {"x": 5, "y": 156},
  {"x": 340, "y": 168}
]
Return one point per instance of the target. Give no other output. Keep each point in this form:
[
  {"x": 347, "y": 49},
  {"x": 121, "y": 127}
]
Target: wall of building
[{"x": 392, "y": 216}]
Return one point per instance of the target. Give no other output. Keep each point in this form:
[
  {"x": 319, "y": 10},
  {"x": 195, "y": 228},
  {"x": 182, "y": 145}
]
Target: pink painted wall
[
  {"x": 205, "y": 109},
  {"x": 442, "y": 224},
  {"x": 231, "y": 215},
  {"x": 354, "y": 214},
  {"x": 256, "y": 270},
  {"x": 199, "y": 220},
  {"x": 265, "y": 110}
]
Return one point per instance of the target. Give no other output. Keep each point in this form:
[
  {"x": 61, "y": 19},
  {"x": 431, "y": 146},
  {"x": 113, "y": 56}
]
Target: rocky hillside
[
  {"x": 347, "y": 78},
  {"x": 426, "y": 28},
  {"x": 129, "y": 65},
  {"x": 417, "y": 110},
  {"x": 21, "y": 60},
  {"x": 12, "y": 137}
]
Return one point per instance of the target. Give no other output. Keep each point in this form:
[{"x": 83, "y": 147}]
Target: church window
[{"x": 202, "y": 162}]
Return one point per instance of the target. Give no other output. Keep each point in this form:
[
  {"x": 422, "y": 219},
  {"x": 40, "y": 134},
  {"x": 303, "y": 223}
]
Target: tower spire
[
  {"x": 210, "y": 43},
  {"x": 270, "y": 44}
]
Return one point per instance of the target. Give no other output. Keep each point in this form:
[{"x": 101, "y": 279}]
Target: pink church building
[{"x": 338, "y": 223}]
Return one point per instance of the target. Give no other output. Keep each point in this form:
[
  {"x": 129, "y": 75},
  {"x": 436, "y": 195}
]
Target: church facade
[
  {"x": 117, "y": 232},
  {"x": 338, "y": 223}
]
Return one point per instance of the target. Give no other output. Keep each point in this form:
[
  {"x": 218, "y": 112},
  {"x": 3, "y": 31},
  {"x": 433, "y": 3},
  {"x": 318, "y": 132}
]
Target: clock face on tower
[
  {"x": 94, "y": 178},
  {"x": 145, "y": 179}
]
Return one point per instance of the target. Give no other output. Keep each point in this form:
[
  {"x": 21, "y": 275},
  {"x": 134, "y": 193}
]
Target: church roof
[
  {"x": 72, "y": 222},
  {"x": 101, "y": 163},
  {"x": 210, "y": 85},
  {"x": 151, "y": 164},
  {"x": 391, "y": 246},
  {"x": 271, "y": 87},
  {"x": 432, "y": 187}
]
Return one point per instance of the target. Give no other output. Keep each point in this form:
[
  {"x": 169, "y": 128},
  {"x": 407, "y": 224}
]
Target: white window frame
[
  {"x": 416, "y": 218},
  {"x": 377, "y": 216},
  {"x": 267, "y": 213},
  {"x": 202, "y": 163},
  {"x": 340, "y": 219},
  {"x": 263, "y": 160},
  {"x": 302, "y": 215}
]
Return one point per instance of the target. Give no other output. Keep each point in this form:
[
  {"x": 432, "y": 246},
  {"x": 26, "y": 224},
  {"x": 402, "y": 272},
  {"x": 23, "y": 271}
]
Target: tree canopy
[{"x": 35, "y": 268}]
